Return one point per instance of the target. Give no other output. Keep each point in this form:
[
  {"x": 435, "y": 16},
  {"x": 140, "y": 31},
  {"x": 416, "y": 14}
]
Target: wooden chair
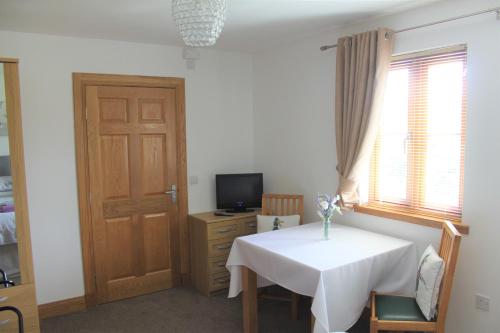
[
  {"x": 397, "y": 313},
  {"x": 283, "y": 204},
  {"x": 280, "y": 205}
]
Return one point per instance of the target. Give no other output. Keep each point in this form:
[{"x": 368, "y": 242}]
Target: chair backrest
[
  {"x": 283, "y": 204},
  {"x": 448, "y": 250}
]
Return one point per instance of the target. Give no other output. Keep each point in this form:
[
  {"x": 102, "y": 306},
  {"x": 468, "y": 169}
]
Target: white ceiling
[{"x": 251, "y": 24}]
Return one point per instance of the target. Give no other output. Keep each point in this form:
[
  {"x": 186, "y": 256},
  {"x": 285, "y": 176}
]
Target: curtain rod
[{"x": 497, "y": 10}]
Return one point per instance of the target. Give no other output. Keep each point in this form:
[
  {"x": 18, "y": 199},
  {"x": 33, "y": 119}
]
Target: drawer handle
[
  {"x": 222, "y": 280},
  {"x": 223, "y": 231},
  {"x": 223, "y": 247},
  {"x": 252, "y": 225},
  {"x": 4, "y": 322},
  {"x": 4, "y": 298},
  {"x": 221, "y": 264}
]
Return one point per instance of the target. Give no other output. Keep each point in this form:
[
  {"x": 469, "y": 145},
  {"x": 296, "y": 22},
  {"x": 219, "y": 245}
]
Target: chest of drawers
[
  {"x": 211, "y": 240},
  {"x": 23, "y": 298}
]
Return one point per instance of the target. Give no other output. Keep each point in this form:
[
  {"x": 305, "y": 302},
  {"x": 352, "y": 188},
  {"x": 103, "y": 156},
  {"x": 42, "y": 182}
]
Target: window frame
[{"x": 405, "y": 211}]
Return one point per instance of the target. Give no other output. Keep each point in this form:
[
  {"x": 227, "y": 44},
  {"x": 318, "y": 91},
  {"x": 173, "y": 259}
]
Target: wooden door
[{"x": 131, "y": 133}]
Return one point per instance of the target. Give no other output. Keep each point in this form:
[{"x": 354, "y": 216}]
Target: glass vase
[{"x": 326, "y": 228}]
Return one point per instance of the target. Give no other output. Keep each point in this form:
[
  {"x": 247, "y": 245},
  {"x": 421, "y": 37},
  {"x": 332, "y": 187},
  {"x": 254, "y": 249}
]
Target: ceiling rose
[{"x": 199, "y": 22}]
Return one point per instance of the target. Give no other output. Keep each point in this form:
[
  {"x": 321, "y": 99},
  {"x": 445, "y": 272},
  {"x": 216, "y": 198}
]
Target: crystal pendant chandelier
[{"x": 199, "y": 22}]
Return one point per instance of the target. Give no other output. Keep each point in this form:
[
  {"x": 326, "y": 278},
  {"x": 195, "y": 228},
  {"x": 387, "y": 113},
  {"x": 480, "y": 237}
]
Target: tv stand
[{"x": 236, "y": 211}]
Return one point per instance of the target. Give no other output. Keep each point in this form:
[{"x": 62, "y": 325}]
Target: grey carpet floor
[{"x": 181, "y": 310}]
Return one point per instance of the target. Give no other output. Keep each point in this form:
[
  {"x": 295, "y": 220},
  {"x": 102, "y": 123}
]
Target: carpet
[{"x": 182, "y": 310}]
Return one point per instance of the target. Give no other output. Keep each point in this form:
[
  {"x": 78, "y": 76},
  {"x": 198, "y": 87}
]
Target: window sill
[{"x": 408, "y": 217}]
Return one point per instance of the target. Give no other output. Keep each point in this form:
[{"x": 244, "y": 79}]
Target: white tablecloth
[{"x": 338, "y": 273}]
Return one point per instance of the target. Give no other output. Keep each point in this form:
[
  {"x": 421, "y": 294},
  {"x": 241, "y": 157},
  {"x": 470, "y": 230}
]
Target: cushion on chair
[
  {"x": 430, "y": 274},
  {"x": 266, "y": 222},
  {"x": 397, "y": 308}
]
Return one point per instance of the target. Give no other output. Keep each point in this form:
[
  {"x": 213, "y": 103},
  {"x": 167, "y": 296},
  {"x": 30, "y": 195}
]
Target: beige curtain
[{"x": 362, "y": 66}]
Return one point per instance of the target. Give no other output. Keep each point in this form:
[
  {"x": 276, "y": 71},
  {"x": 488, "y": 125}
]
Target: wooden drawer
[
  {"x": 219, "y": 281},
  {"x": 217, "y": 265},
  {"x": 23, "y": 298},
  {"x": 219, "y": 247},
  {"x": 225, "y": 229},
  {"x": 250, "y": 227}
]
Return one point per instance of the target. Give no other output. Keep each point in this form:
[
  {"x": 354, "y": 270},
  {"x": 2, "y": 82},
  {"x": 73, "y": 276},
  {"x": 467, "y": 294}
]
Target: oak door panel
[
  {"x": 113, "y": 110},
  {"x": 157, "y": 242},
  {"x": 150, "y": 111},
  {"x": 153, "y": 170},
  {"x": 115, "y": 166},
  {"x": 119, "y": 254},
  {"x": 132, "y": 162}
]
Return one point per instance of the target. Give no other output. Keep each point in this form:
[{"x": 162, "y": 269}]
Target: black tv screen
[{"x": 239, "y": 191}]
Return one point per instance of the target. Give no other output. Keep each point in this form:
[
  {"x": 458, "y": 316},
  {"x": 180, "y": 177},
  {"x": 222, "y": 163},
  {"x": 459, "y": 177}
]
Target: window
[{"x": 417, "y": 162}]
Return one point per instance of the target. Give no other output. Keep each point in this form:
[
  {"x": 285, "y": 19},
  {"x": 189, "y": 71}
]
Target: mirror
[{"x": 9, "y": 259}]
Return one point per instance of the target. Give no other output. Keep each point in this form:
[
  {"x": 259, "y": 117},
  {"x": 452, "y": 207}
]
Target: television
[{"x": 238, "y": 193}]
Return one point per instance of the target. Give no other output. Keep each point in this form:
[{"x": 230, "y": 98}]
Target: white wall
[
  {"x": 219, "y": 133},
  {"x": 295, "y": 147}
]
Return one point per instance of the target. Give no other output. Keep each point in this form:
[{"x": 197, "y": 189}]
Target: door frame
[{"x": 80, "y": 82}]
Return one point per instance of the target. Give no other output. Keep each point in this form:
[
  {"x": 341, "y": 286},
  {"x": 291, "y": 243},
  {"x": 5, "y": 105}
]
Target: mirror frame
[{"x": 14, "y": 123}]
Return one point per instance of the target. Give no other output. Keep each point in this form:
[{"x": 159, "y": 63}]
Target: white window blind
[{"x": 417, "y": 161}]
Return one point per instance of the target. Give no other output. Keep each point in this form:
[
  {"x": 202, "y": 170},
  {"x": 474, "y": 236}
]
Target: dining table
[{"x": 338, "y": 273}]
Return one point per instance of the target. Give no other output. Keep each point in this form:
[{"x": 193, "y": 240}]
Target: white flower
[{"x": 324, "y": 205}]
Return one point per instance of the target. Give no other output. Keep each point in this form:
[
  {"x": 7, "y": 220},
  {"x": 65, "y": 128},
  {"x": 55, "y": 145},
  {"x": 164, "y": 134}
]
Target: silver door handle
[{"x": 173, "y": 193}]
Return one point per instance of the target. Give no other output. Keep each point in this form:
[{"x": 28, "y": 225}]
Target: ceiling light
[{"x": 199, "y": 22}]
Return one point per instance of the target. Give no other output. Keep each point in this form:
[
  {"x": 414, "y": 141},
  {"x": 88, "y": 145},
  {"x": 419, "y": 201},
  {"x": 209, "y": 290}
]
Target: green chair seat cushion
[{"x": 397, "y": 308}]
